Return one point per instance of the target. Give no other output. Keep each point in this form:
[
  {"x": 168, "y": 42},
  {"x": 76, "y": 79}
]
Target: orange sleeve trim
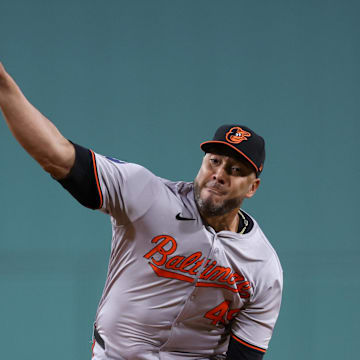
[
  {"x": 248, "y": 345},
  {"x": 92, "y": 348},
  {"x": 97, "y": 179}
]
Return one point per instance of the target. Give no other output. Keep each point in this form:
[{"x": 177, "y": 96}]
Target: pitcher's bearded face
[
  {"x": 222, "y": 183},
  {"x": 212, "y": 205}
]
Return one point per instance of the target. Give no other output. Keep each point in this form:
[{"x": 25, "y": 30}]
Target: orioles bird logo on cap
[{"x": 236, "y": 135}]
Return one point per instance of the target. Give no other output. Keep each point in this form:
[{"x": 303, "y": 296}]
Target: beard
[{"x": 209, "y": 208}]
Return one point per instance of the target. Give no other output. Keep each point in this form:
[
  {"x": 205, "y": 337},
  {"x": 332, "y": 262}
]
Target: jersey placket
[{"x": 178, "y": 329}]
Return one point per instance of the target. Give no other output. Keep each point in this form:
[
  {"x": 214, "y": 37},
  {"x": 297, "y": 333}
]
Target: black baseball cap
[{"x": 241, "y": 139}]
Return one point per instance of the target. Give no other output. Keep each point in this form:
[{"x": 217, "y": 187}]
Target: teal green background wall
[{"x": 147, "y": 81}]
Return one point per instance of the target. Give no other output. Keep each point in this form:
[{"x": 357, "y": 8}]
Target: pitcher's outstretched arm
[{"x": 36, "y": 134}]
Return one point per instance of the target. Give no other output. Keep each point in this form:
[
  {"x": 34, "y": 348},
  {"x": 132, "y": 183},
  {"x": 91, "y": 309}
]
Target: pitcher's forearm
[{"x": 37, "y": 135}]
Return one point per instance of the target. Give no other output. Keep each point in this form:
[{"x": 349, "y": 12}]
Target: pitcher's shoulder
[{"x": 263, "y": 246}]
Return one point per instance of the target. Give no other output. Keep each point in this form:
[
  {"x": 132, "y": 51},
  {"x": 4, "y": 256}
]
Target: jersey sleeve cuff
[
  {"x": 248, "y": 345},
  {"x": 83, "y": 181}
]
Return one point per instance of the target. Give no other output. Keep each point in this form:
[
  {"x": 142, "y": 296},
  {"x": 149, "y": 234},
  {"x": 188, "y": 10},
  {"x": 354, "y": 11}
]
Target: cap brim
[{"x": 232, "y": 147}]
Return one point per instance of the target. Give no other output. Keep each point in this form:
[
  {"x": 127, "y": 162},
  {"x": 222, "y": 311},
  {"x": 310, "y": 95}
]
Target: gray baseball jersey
[{"x": 175, "y": 288}]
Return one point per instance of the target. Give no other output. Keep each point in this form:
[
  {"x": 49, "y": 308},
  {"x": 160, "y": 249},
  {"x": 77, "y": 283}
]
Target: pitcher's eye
[
  {"x": 214, "y": 161},
  {"x": 236, "y": 170}
]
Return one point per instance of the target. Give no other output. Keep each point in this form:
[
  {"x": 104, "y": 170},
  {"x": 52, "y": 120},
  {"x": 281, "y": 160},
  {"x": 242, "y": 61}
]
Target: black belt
[{"x": 98, "y": 338}]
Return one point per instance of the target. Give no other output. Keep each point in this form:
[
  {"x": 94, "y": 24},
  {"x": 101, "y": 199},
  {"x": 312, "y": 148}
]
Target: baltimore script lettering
[{"x": 186, "y": 268}]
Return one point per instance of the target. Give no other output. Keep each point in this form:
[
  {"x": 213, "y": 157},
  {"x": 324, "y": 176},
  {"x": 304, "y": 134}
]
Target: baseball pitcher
[{"x": 191, "y": 275}]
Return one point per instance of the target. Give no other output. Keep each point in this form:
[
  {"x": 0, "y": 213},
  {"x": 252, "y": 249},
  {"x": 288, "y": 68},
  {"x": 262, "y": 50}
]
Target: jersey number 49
[{"x": 221, "y": 313}]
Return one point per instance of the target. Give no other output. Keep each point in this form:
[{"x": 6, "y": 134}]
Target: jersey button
[
  {"x": 216, "y": 251},
  {"x": 192, "y": 297}
]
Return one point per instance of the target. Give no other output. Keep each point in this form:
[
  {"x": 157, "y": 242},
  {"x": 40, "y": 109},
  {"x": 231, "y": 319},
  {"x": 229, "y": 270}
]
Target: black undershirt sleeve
[
  {"x": 82, "y": 182},
  {"x": 238, "y": 351}
]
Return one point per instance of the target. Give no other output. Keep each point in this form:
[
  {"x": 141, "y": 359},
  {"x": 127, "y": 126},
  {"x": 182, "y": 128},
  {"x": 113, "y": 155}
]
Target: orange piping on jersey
[
  {"x": 170, "y": 274},
  {"x": 223, "y": 142},
  {"x": 248, "y": 345},
  {"x": 97, "y": 179},
  {"x": 92, "y": 349}
]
